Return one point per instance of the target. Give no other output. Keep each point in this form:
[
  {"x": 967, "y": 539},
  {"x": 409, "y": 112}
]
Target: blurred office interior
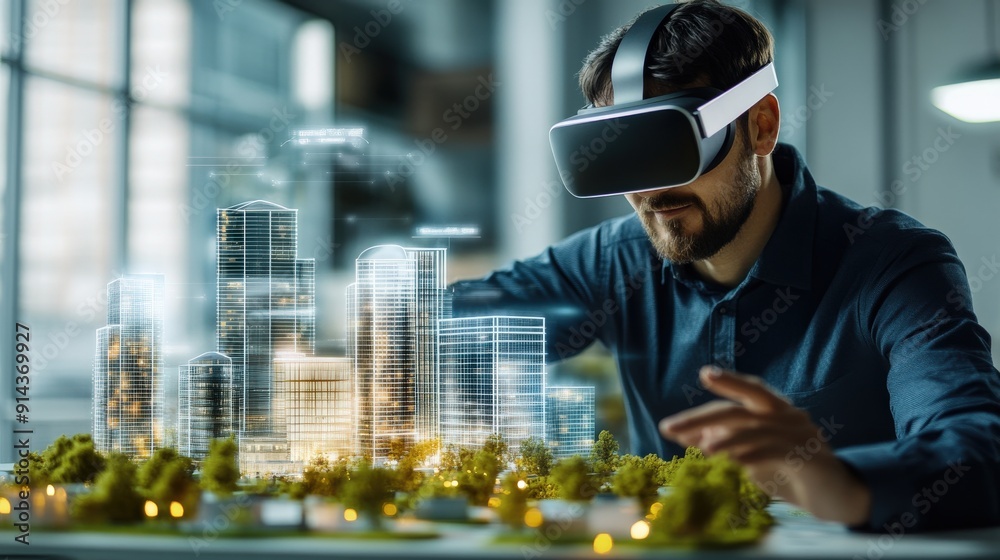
[{"x": 125, "y": 124}]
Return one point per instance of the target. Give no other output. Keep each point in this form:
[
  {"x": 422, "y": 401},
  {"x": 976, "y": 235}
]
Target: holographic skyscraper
[
  {"x": 204, "y": 403},
  {"x": 569, "y": 420},
  {"x": 492, "y": 380},
  {"x": 314, "y": 406},
  {"x": 382, "y": 342},
  {"x": 393, "y": 309},
  {"x": 433, "y": 304},
  {"x": 128, "y": 368},
  {"x": 266, "y": 303}
]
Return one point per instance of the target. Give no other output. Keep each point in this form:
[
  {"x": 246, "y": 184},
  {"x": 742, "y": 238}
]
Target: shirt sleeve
[
  {"x": 565, "y": 283},
  {"x": 943, "y": 470}
]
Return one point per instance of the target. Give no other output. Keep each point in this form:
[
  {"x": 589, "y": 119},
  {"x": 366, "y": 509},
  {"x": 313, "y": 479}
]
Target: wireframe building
[
  {"x": 569, "y": 420},
  {"x": 382, "y": 343},
  {"x": 433, "y": 304},
  {"x": 262, "y": 456},
  {"x": 492, "y": 380},
  {"x": 204, "y": 403},
  {"x": 314, "y": 406},
  {"x": 266, "y": 303},
  {"x": 128, "y": 368}
]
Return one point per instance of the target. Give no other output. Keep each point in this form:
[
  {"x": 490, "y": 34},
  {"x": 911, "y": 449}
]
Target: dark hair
[{"x": 703, "y": 43}]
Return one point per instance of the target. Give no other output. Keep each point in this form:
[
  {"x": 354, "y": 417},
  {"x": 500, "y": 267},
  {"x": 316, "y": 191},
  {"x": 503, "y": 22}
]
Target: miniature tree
[
  {"x": 323, "y": 478},
  {"x": 168, "y": 477},
  {"x": 706, "y": 505},
  {"x": 38, "y": 474},
  {"x": 454, "y": 458},
  {"x": 535, "y": 457},
  {"x": 514, "y": 502},
  {"x": 176, "y": 484},
  {"x": 478, "y": 478},
  {"x": 604, "y": 454},
  {"x": 496, "y": 445},
  {"x": 219, "y": 471},
  {"x": 72, "y": 459},
  {"x": 397, "y": 448},
  {"x": 420, "y": 452},
  {"x": 572, "y": 479},
  {"x": 408, "y": 478},
  {"x": 150, "y": 470},
  {"x": 669, "y": 468},
  {"x": 114, "y": 498},
  {"x": 636, "y": 477},
  {"x": 367, "y": 491},
  {"x": 541, "y": 488}
]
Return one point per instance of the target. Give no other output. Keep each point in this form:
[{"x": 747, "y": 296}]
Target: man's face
[{"x": 694, "y": 222}]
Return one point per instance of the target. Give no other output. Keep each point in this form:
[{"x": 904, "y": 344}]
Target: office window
[
  {"x": 77, "y": 40},
  {"x": 3, "y": 155},
  {"x": 161, "y": 64},
  {"x": 116, "y": 143},
  {"x": 158, "y": 185},
  {"x": 66, "y": 212}
]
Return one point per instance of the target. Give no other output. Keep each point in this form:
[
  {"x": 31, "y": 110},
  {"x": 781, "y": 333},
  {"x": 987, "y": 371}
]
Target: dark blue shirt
[{"x": 861, "y": 316}]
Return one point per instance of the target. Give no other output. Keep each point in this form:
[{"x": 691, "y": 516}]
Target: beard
[{"x": 719, "y": 226}]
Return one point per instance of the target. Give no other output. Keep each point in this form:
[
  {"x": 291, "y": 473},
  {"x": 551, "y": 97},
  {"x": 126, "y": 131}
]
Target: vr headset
[{"x": 642, "y": 144}]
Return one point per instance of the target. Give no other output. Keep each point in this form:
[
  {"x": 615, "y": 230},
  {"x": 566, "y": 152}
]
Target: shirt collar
[{"x": 787, "y": 257}]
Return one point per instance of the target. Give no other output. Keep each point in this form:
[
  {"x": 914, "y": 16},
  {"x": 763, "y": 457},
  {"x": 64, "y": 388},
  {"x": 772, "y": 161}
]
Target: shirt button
[{"x": 723, "y": 310}]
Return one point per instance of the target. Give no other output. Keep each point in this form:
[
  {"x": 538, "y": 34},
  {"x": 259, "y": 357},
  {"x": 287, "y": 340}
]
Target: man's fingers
[
  {"x": 749, "y": 455},
  {"x": 747, "y": 390},
  {"x": 738, "y": 439},
  {"x": 712, "y": 414}
]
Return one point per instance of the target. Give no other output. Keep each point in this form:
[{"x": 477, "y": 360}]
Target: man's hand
[{"x": 760, "y": 429}]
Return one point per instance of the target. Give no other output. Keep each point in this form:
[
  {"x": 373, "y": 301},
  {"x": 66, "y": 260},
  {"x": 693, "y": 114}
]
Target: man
[{"x": 867, "y": 393}]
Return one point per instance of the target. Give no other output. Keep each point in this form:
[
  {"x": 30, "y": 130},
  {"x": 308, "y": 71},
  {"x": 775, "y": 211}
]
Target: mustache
[{"x": 666, "y": 201}]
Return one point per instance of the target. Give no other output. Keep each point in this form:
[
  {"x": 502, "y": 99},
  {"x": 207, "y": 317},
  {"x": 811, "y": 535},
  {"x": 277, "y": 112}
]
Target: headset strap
[{"x": 628, "y": 70}]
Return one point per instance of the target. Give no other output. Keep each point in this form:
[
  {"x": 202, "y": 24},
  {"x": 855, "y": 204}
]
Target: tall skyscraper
[
  {"x": 569, "y": 420},
  {"x": 382, "y": 320},
  {"x": 266, "y": 303},
  {"x": 393, "y": 309},
  {"x": 492, "y": 379},
  {"x": 204, "y": 403},
  {"x": 128, "y": 368},
  {"x": 314, "y": 406},
  {"x": 433, "y": 304}
]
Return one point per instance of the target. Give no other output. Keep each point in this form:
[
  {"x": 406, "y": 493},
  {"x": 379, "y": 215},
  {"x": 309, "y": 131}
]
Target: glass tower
[
  {"x": 433, "y": 304},
  {"x": 492, "y": 380},
  {"x": 204, "y": 403},
  {"x": 383, "y": 346},
  {"x": 128, "y": 368},
  {"x": 569, "y": 420},
  {"x": 314, "y": 406},
  {"x": 266, "y": 303}
]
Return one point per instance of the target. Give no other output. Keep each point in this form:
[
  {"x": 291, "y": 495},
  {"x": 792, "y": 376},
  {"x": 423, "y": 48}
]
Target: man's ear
[{"x": 764, "y": 123}]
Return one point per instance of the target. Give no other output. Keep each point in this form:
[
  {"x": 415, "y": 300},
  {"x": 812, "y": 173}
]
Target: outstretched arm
[
  {"x": 562, "y": 284},
  {"x": 942, "y": 471}
]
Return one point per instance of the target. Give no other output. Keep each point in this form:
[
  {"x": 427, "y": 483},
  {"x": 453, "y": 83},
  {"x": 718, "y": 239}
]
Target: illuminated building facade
[
  {"x": 382, "y": 343},
  {"x": 492, "y": 380},
  {"x": 433, "y": 303},
  {"x": 266, "y": 303},
  {"x": 128, "y": 368},
  {"x": 393, "y": 309},
  {"x": 314, "y": 406},
  {"x": 204, "y": 403},
  {"x": 569, "y": 420},
  {"x": 264, "y": 456}
]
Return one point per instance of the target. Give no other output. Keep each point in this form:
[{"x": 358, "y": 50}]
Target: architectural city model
[{"x": 412, "y": 372}]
